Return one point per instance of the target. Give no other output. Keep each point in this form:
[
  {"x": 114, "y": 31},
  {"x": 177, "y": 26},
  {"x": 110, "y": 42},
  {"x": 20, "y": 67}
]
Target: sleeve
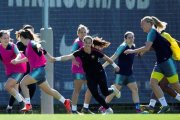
[
  {"x": 77, "y": 53},
  {"x": 151, "y": 35},
  {"x": 16, "y": 50},
  {"x": 75, "y": 47},
  {"x": 44, "y": 52},
  {"x": 120, "y": 49},
  {"x": 19, "y": 45}
]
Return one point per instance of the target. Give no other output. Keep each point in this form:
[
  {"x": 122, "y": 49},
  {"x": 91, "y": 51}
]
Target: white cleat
[
  {"x": 108, "y": 111},
  {"x": 116, "y": 91}
]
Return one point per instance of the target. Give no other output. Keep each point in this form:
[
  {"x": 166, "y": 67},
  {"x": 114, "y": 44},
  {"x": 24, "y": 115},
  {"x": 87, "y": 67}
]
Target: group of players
[{"x": 26, "y": 69}]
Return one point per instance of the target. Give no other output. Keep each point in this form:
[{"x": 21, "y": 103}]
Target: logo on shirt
[{"x": 92, "y": 56}]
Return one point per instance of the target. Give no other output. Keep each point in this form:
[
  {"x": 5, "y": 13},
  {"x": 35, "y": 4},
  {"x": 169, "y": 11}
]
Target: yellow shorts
[{"x": 159, "y": 76}]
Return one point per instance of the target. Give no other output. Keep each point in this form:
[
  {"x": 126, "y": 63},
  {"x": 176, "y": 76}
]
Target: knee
[
  {"x": 77, "y": 90},
  {"x": 163, "y": 86},
  {"x": 175, "y": 86},
  {"x": 88, "y": 92},
  {"x": 7, "y": 87},
  {"x": 22, "y": 83},
  {"x": 153, "y": 83}
]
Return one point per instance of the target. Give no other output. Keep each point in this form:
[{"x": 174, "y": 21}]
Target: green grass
[{"x": 89, "y": 117}]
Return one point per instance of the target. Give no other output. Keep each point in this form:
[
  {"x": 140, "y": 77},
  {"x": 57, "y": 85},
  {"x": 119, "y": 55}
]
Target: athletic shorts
[
  {"x": 39, "y": 74},
  {"x": 165, "y": 69},
  {"x": 124, "y": 79},
  {"x": 16, "y": 76},
  {"x": 79, "y": 76}
]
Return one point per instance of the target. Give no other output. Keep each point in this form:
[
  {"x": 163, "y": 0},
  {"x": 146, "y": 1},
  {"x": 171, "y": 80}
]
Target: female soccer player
[
  {"x": 78, "y": 73},
  {"x": 125, "y": 75},
  {"x": 37, "y": 61},
  {"x": 95, "y": 73},
  {"x": 165, "y": 64},
  {"x": 14, "y": 72},
  {"x": 32, "y": 87},
  {"x": 164, "y": 84}
]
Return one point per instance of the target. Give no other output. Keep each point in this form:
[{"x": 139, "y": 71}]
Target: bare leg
[
  {"x": 77, "y": 88},
  {"x": 27, "y": 80},
  {"x": 164, "y": 86},
  {"x": 156, "y": 89},
  {"x": 134, "y": 89}
]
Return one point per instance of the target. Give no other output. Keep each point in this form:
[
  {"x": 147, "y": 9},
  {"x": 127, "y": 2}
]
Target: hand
[
  {"x": 14, "y": 61},
  {"x": 52, "y": 59},
  {"x": 128, "y": 51},
  {"x": 117, "y": 69},
  {"x": 140, "y": 54}
]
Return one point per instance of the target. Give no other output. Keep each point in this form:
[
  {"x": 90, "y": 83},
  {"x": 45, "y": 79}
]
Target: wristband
[
  {"x": 58, "y": 58},
  {"x": 114, "y": 65}
]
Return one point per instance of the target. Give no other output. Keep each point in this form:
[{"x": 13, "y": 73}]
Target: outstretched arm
[
  {"x": 143, "y": 49},
  {"x": 50, "y": 57},
  {"x": 65, "y": 57},
  {"x": 113, "y": 58},
  {"x": 119, "y": 50},
  {"x": 110, "y": 61}
]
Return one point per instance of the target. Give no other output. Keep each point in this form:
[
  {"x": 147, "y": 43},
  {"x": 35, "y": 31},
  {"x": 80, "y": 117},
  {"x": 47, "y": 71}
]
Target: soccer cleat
[
  {"x": 138, "y": 111},
  {"x": 101, "y": 109},
  {"x": 116, "y": 91},
  {"x": 148, "y": 108},
  {"x": 86, "y": 111},
  {"x": 108, "y": 111},
  {"x": 164, "y": 109},
  {"x": 27, "y": 107},
  {"x": 141, "y": 112},
  {"x": 67, "y": 105}
]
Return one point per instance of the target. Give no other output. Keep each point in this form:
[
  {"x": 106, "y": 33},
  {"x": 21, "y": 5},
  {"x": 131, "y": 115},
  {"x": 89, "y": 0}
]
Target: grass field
[{"x": 89, "y": 117}]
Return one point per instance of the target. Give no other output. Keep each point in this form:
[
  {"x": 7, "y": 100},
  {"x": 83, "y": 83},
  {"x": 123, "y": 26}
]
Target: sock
[
  {"x": 177, "y": 97},
  {"x": 9, "y": 107},
  {"x": 74, "y": 107},
  {"x": 152, "y": 102},
  {"x": 27, "y": 101},
  {"x": 137, "y": 106},
  {"x": 163, "y": 102},
  {"x": 86, "y": 105},
  {"x": 111, "y": 90},
  {"x": 62, "y": 99},
  {"x": 18, "y": 97}
]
